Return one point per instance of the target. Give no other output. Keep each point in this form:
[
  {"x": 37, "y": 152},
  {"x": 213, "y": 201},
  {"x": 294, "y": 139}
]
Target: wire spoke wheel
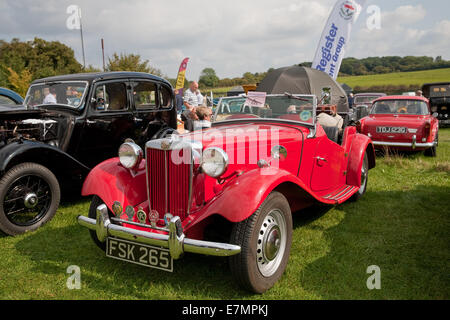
[
  {"x": 27, "y": 200},
  {"x": 29, "y": 197}
]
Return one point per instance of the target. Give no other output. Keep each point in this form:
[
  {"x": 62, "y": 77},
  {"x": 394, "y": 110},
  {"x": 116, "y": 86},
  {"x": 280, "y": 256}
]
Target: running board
[{"x": 341, "y": 194}]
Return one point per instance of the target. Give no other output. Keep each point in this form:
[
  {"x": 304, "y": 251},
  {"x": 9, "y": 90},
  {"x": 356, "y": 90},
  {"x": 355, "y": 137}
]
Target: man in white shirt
[
  {"x": 190, "y": 98},
  {"x": 199, "y": 98},
  {"x": 50, "y": 98}
]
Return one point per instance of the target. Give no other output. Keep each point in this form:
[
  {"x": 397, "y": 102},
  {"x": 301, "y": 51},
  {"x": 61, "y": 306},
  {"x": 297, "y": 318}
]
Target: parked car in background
[
  {"x": 439, "y": 96},
  {"x": 229, "y": 190},
  {"x": 68, "y": 125},
  {"x": 9, "y": 97},
  {"x": 362, "y": 102},
  {"x": 402, "y": 123}
]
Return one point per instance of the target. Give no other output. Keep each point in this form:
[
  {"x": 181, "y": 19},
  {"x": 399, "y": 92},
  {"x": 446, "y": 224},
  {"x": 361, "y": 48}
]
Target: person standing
[
  {"x": 351, "y": 100},
  {"x": 190, "y": 98},
  {"x": 178, "y": 101}
]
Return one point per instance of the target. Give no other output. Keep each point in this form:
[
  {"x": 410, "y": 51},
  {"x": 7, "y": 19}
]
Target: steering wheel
[{"x": 164, "y": 133}]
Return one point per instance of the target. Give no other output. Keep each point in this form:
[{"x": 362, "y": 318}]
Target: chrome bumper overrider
[{"x": 175, "y": 241}]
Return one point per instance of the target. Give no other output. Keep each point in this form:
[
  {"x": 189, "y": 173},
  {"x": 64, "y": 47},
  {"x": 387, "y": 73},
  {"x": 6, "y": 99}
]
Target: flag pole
[
  {"x": 103, "y": 54},
  {"x": 82, "y": 41}
]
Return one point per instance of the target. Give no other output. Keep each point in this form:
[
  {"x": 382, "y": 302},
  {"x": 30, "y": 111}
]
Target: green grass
[
  {"x": 417, "y": 78},
  {"x": 402, "y": 225}
]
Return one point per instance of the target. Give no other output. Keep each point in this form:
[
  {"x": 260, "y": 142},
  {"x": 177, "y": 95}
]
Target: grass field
[
  {"x": 402, "y": 225},
  {"x": 417, "y": 78}
]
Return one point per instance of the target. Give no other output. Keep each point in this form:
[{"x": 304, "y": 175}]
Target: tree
[
  {"x": 39, "y": 57},
  {"x": 208, "y": 78},
  {"x": 130, "y": 62},
  {"x": 20, "y": 82}
]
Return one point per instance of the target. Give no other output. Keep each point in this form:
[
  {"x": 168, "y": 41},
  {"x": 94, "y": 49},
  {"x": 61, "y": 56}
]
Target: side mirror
[
  {"x": 279, "y": 152},
  {"x": 435, "y": 115}
]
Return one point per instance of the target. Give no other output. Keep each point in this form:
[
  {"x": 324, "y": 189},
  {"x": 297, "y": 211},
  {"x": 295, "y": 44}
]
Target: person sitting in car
[{"x": 204, "y": 118}]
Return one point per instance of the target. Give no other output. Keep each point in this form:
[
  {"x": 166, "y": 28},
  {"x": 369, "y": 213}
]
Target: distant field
[
  {"x": 399, "y": 78},
  {"x": 416, "y": 79}
]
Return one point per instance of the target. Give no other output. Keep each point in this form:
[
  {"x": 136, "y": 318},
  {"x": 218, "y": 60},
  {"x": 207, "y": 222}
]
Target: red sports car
[
  {"x": 403, "y": 123},
  {"x": 226, "y": 191}
]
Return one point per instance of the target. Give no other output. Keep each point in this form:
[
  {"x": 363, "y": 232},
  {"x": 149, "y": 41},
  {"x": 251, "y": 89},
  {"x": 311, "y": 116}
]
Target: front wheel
[
  {"x": 96, "y": 201},
  {"x": 265, "y": 239},
  {"x": 29, "y": 197}
]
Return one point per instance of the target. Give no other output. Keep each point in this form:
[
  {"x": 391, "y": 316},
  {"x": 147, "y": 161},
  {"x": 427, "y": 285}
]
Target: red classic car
[
  {"x": 403, "y": 123},
  {"x": 240, "y": 180}
]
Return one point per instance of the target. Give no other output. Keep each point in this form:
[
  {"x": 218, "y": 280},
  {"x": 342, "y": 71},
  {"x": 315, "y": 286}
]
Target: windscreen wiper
[{"x": 291, "y": 96}]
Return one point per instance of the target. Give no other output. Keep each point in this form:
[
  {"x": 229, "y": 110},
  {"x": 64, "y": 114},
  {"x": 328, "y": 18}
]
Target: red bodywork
[
  {"x": 316, "y": 170},
  {"x": 420, "y": 130}
]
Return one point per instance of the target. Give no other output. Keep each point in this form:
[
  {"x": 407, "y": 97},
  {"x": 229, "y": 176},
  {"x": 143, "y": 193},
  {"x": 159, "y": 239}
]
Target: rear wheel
[
  {"x": 29, "y": 197},
  {"x": 364, "y": 178},
  {"x": 265, "y": 239},
  {"x": 431, "y": 152}
]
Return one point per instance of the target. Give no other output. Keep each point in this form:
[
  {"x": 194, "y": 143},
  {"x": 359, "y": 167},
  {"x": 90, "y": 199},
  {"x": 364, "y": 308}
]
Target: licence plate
[
  {"x": 391, "y": 130},
  {"x": 144, "y": 255}
]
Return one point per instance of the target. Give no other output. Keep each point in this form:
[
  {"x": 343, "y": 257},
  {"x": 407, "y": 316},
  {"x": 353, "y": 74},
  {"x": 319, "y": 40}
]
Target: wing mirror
[{"x": 435, "y": 115}]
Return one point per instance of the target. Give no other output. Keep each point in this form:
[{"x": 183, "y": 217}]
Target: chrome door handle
[{"x": 321, "y": 159}]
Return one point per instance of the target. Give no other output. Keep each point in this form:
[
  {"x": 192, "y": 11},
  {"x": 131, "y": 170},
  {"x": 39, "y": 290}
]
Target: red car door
[{"x": 328, "y": 161}]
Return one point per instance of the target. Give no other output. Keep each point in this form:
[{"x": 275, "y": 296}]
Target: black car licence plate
[
  {"x": 144, "y": 255},
  {"x": 391, "y": 130}
]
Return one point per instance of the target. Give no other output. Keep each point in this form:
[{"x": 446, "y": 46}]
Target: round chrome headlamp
[
  {"x": 130, "y": 155},
  {"x": 214, "y": 162}
]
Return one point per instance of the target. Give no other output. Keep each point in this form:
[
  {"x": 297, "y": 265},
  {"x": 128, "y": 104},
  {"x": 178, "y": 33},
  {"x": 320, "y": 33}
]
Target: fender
[
  {"x": 263, "y": 182},
  {"x": 112, "y": 182},
  {"x": 52, "y": 157},
  {"x": 360, "y": 143}
]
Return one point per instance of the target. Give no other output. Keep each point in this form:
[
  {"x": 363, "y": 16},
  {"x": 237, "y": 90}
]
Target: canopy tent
[{"x": 303, "y": 80}]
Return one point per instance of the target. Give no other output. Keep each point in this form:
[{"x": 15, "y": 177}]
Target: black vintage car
[
  {"x": 68, "y": 125},
  {"x": 439, "y": 95}
]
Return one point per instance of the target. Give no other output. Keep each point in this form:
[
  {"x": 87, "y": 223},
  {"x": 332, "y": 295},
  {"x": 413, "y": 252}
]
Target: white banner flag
[{"x": 336, "y": 35}]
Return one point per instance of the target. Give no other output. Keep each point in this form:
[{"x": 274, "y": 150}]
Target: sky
[{"x": 232, "y": 37}]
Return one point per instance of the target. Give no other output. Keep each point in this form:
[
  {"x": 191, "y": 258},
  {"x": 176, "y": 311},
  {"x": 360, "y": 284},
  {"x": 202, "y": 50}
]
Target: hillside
[{"x": 413, "y": 79}]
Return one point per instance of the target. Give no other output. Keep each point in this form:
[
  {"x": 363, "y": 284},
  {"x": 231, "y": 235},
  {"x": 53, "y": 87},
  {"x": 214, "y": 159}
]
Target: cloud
[
  {"x": 400, "y": 35},
  {"x": 233, "y": 36}
]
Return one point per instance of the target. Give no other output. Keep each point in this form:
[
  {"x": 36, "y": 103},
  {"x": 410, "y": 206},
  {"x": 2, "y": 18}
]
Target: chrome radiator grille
[{"x": 169, "y": 183}]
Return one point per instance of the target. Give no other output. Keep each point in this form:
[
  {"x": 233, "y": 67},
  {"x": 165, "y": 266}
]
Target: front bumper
[{"x": 175, "y": 241}]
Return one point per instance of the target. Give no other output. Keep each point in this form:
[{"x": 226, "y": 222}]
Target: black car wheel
[
  {"x": 431, "y": 152},
  {"x": 265, "y": 239},
  {"x": 29, "y": 197}
]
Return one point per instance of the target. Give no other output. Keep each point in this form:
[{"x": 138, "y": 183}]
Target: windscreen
[
  {"x": 412, "y": 107},
  {"x": 68, "y": 94},
  {"x": 299, "y": 108}
]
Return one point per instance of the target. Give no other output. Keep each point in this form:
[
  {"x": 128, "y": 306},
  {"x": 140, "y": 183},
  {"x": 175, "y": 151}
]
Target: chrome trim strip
[
  {"x": 346, "y": 193},
  {"x": 175, "y": 240},
  {"x": 139, "y": 224},
  {"x": 191, "y": 183},
  {"x": 166, "y": 183},
  {"x": 336, "y": 195}
]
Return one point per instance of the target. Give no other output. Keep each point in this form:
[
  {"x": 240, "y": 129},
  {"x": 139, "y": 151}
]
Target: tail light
[{"x": 427, "y": 129}]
